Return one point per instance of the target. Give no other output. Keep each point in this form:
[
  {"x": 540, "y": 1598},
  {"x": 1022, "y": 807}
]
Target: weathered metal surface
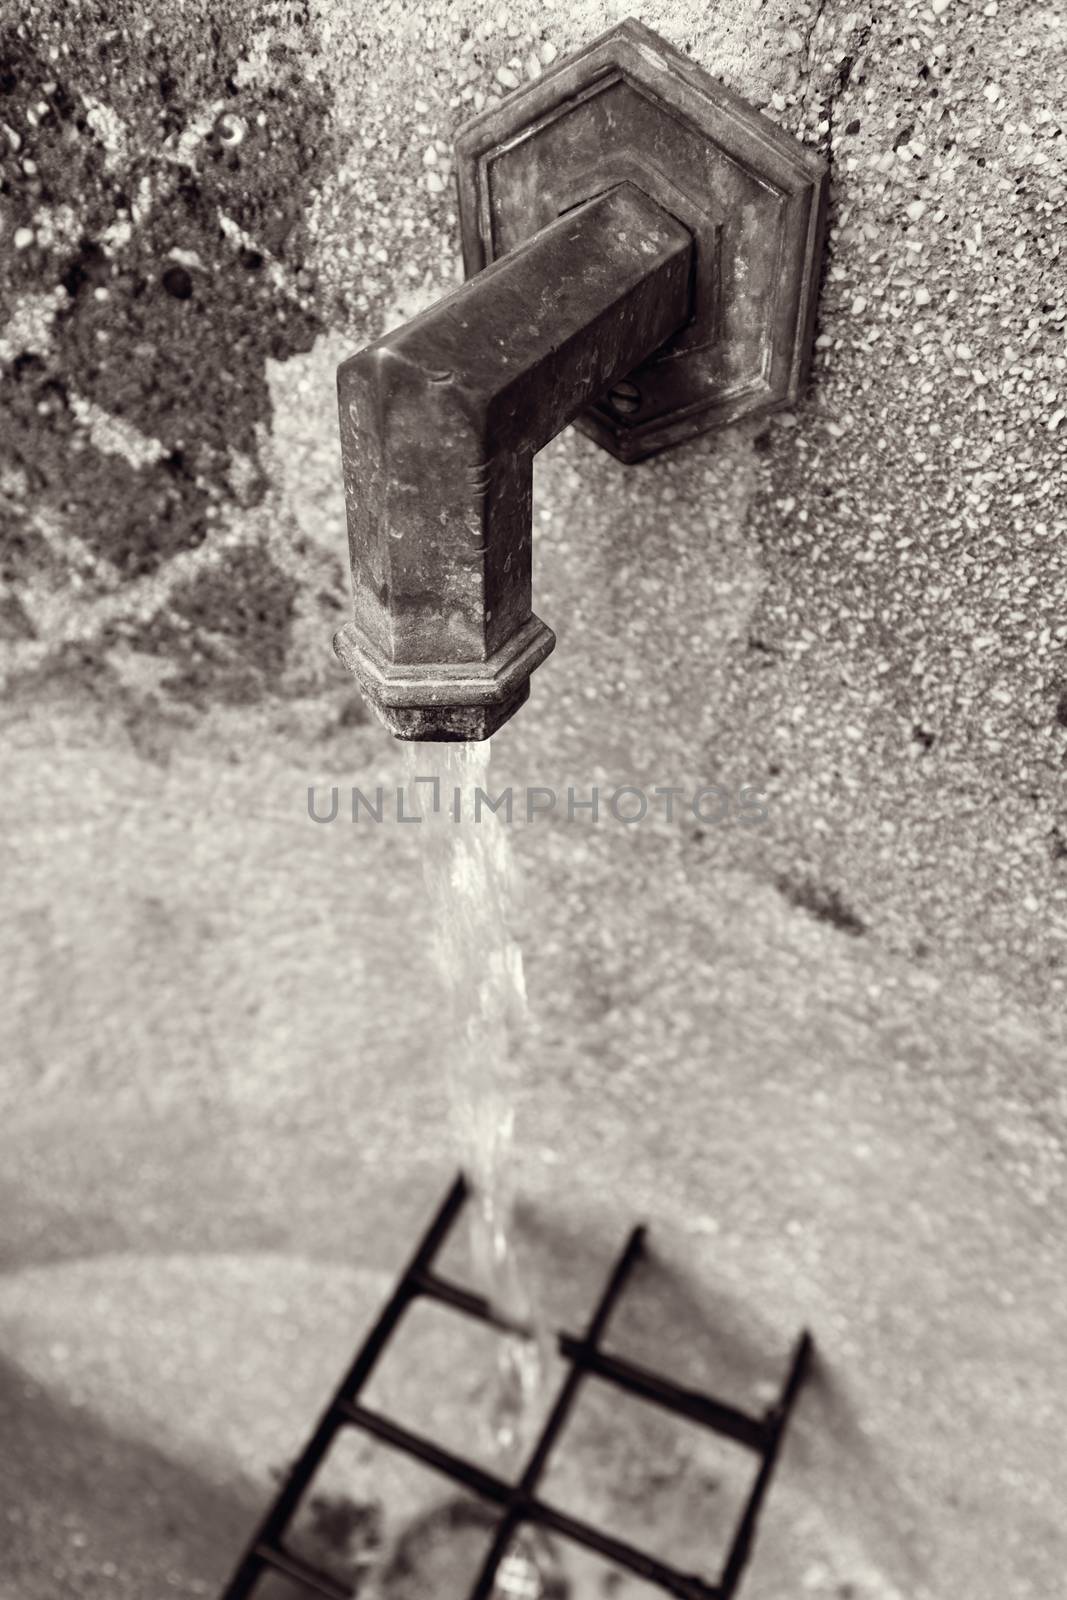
[
  {"x": 631, "y": 107},
  {"x": 440, "y": 421}
]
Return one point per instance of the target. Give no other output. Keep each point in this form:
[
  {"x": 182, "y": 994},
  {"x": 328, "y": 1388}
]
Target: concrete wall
[{"x": 823, "y": 1056}]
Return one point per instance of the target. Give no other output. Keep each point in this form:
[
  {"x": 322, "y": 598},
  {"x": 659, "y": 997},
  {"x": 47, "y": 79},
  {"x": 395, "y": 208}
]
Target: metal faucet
[
  {"x": 655, "y": 286},
  {"x": 440, "y": 422}
]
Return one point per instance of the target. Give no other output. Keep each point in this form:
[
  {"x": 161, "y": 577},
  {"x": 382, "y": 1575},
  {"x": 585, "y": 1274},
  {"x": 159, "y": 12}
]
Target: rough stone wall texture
[{"x": 824, "y": 1057}]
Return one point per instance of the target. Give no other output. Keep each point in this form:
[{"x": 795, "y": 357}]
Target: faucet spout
[{"x": 440, "y": 421}]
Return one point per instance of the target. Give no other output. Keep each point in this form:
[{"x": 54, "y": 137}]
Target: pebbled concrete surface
[{"x": 823, "y": 1057}]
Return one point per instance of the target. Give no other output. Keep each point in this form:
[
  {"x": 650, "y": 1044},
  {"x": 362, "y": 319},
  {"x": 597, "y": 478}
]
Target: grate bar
[
  {"x": 687, "y": 1586},
  {"x": 752, "y": 1432},
  {"x": 470, "y": 1304},
  {"x": 483, "y": 1588},
  {"x": 269, "y": 1533},
  {"x": 292, "y": 1566},
  {"x": 472, "y": 1477},
  {"x": 737, "y": 1425},
  {"x": 746, "y": 1528}
]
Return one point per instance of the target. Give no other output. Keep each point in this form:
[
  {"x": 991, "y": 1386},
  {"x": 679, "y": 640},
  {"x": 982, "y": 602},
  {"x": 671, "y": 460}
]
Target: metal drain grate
[{"x": 518, "y": 1502}]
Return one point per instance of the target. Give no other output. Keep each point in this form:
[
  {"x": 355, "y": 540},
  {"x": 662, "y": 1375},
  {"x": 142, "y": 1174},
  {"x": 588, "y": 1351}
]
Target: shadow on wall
[
  {"x": 884, "y": 1517},
  {"x": 84, "y": 1502},
  {"x": 81, "y": 1501}
]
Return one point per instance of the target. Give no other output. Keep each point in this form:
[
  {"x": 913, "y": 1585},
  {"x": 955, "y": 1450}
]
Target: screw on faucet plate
[
  {"x": 229, "y": 128},
  {"x": 625, "y": 398}
]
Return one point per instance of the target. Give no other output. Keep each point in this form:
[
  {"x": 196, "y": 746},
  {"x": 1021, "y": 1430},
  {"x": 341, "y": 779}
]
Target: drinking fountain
[{"x": 642, "y": 251}]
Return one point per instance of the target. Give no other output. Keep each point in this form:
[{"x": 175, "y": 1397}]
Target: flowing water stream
[{"x": 471, "y": 886}]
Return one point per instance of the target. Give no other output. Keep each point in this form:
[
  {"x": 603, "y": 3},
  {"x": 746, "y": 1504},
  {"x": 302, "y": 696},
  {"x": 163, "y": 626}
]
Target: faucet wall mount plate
[{"x": 632, "y": 108}]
